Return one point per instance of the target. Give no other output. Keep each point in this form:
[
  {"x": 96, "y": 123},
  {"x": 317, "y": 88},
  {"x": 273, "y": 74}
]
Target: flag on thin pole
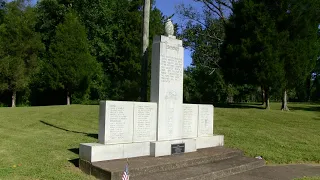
[{"x": 125, "y": 175}]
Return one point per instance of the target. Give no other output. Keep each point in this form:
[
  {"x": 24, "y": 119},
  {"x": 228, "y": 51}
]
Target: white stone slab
[
  {"x": 213, "y": 141},
  {"x": 116, "y": 122},
  {"x": 94, "y": 152},
  {"x": 190, "y": 121},
  {"x": 144, "y": 122},
  {"x": 163, "y": 148},
  {"x": 136, "y": 149},
  {"x": 167, "y": 86},
  {"x": 205, "y": 122}
]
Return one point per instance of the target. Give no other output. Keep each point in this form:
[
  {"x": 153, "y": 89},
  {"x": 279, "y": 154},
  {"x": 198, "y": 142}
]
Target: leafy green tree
[
  {"x": 2, "y": 10},
  {"x": 300, "y": 19},
  {"x": 203, "y": 34},
  {"x": 251, "y": 49},
  {"x": 19, "y": 47},
  {"x": 70, "y": 64},
  {"x": 49, "y": 15},
  {"x": 271, "y": 43}
]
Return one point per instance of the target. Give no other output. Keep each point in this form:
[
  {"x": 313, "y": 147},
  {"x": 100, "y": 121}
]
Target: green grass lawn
[
  {"x": 42, "y": 142},
  {"x": 309, "y": 178}
]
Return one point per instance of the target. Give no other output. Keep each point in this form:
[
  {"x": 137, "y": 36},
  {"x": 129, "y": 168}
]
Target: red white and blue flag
[{"x": 125, "y": 175}]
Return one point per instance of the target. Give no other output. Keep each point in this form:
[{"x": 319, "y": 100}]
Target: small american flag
[{"x": 125, "y": 175}]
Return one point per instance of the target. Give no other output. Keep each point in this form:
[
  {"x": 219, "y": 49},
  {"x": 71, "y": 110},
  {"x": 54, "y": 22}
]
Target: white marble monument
[{"x": 134, "y": 129}]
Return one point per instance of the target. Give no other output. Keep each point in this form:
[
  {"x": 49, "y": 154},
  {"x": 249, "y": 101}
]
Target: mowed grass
[
  {"x": 309, "y": 178},
  {"x": 43, "y": 142},
  {"x": 279, "y": 137}
]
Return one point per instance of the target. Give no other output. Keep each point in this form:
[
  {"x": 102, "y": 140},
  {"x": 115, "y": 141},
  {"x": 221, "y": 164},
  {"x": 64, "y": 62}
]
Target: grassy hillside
[{"x": 42, "y": 142}]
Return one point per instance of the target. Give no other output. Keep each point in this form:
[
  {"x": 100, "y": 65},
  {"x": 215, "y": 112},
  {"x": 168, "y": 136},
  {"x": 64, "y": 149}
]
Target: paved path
[{"x": 281, "y": 172}]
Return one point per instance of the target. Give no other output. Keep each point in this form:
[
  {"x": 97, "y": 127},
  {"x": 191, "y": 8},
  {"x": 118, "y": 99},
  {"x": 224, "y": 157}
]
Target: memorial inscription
[
  {"x": 119, "y": 122},
  {"x": 190, "y": 120},
  {"x": 205, "y": 120},
  {"x": 171, "y": 70},
  {"x": 177, "y": 148},
  {"x": 145, "y": 118}
]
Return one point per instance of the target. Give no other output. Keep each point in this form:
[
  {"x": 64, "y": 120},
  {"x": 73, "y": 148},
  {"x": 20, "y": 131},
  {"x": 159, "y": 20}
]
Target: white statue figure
[{"x": 169, "y": 28}]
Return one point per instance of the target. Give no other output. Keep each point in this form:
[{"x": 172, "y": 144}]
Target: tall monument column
[
  {"x": 167, "y": 84},
  {"x": 167, "y": 92}
]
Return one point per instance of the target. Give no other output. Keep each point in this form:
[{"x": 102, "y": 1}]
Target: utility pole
[{"x": 144, "y": 58}]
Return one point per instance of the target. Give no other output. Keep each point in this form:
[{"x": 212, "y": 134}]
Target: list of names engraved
[
  {"x": 187, "y": 120},
  {"x": 143, "y": 120},
  {"x": 204, "y": 119},
  {"x": 118, "y": 120}
]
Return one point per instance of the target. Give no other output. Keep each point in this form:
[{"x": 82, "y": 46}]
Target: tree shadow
[
  {"x": 87, "y": 134},
  {"x": 75, "y": 161},
  {"x": 306, "y": 108},
  {"x": 241, "y": 105},
  {"x": 317, "y": 118}
]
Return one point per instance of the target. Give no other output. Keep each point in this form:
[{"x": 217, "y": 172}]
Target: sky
[{"x": 167, "y": 7}]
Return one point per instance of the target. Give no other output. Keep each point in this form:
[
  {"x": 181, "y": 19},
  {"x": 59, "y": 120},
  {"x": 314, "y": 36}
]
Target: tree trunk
[
  {"x": 13, "y": 99},
  {"x": 68, "y": 98},
  {"x": 308, "y": 87},
  {"x": 144, "y": 58},
  {"x": 284, "y": 106},
  {"x": 263, "y": 96},
  {"x": 267, "y": 98}
]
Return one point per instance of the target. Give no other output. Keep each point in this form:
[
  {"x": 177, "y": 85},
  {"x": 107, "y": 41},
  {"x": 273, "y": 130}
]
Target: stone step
[
  {"x": 213, "y": 170},
  {"x": 141, "y": 166}
]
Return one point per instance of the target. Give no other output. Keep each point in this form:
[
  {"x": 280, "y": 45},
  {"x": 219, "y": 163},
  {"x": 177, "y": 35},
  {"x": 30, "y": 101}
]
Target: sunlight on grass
[
  {"x": 43, "y": 142},
  {"x": 279, "y": 137}
]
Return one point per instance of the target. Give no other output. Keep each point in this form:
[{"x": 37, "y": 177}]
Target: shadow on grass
[
  {"x": 306, "y": 108},
  {"x": 317, "y": 119},
  {"x": 74, "y": 150},
  {"x": 87, "y": 134},
  {"x": 75, "y": 162},
  {"x": 242, "y": 105}
]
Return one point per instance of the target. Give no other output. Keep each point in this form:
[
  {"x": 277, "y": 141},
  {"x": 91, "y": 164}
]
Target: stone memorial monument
[{"x": 165, "y": 126}]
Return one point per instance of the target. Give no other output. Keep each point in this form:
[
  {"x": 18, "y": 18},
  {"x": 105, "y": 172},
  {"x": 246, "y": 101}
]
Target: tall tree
[
  {"x": 145, "y": 44},
  {"x": 70, "y": 63},
  {"x": 19, "y": 47},
  {"x": 251, "y": 50},
  {"x": 301, "y": 20}
]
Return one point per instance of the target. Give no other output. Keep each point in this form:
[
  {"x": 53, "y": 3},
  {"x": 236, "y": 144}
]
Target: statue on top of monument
[{"x": 169, "y": 28}]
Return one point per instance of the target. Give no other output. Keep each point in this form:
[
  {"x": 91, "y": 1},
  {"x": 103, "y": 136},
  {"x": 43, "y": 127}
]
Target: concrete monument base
[
  {"x": 94, "y": 152},
  {"x": 210, "y": 141},
  {"x": 163, "y": 148}
]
